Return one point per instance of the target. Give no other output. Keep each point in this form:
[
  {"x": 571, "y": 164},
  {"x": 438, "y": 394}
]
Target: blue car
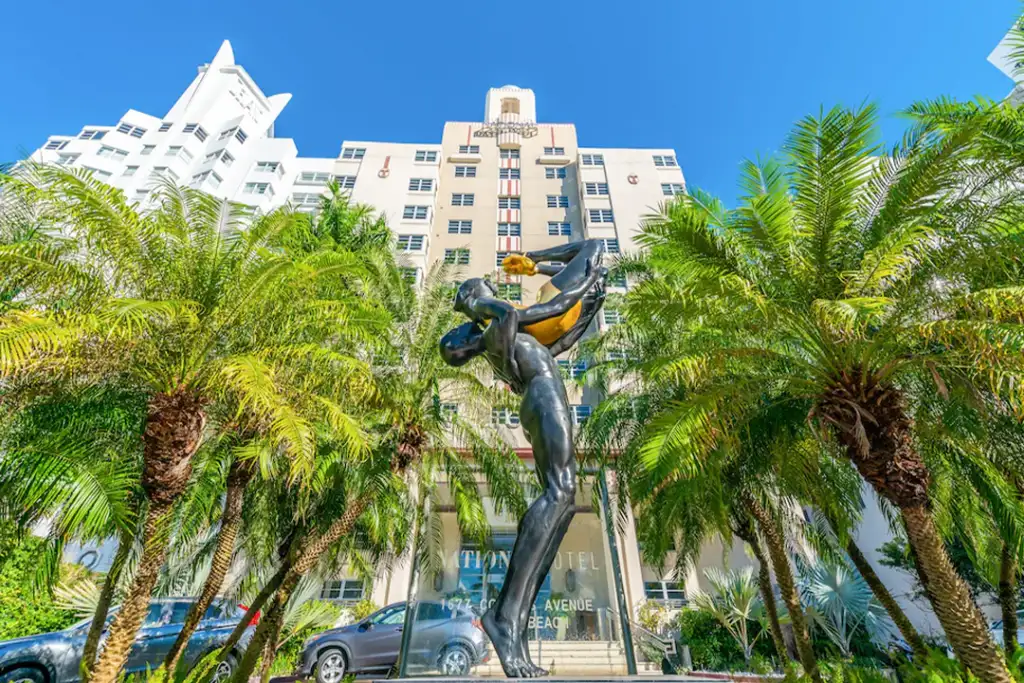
[{"x": 55, "y": 657}]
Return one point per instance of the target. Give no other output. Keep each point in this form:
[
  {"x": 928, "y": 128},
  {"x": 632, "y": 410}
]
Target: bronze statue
[{"x": 521, "y": 345}]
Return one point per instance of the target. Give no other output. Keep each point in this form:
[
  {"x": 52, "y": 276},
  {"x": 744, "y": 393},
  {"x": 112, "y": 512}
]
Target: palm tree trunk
[
  {"x": 307, "y": 556},
  {"x": 771, "y": 531},
  {"x": 230, "y": 522},
  {"x": 99, "y": 619},
  {"x": 878, "y": 433},
  {"x": 136, "y": 602},
  {"x": 764, "y": 580},
  {"x": 270, "y": 649},
  {"x": 1008, "y": 599},
  {"x": 257, "y": 604},
  {"x": 964, "y": 626},
  {"x": 267, "y": 630},
  {"x": 886, "y": 599},
  {"x": 174, "y": 429}
]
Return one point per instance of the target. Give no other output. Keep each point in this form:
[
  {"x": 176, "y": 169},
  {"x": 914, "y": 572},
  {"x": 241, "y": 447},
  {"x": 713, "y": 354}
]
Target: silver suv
[
  {"x": 446, "y": 638},
  {"x": 54, "y": 657}
]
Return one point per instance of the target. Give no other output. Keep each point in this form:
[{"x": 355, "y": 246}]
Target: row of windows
[
  {"x": 465, "y": 227},
  {"x": 461, "y": 256},
  {"x": 129, "y": 129},
  {"x": 421, "y": 184},
  {"x": 510, "y": 418},
  {"x": 427, "y": 155},
  {"x": 599, "y": 189}
]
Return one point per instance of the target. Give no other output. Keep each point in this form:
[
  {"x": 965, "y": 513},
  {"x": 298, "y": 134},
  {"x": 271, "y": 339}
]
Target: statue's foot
[
  {"x": 506, "y": 644},
  {"x": 532, "y": 670}
]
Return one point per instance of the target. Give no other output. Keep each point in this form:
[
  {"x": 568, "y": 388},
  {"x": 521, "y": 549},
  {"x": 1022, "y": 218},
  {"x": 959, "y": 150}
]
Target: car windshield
[{"x": 390, "y": 615}]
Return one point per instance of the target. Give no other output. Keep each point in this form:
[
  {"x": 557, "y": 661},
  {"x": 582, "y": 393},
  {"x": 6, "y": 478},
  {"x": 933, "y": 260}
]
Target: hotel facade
[{"x": 501, "y": 184}]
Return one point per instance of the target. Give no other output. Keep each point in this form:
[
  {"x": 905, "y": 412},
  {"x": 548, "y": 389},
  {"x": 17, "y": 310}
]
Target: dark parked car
[
  {"x": 446, "y": 638},
  {"x": 54, "y": 657}
]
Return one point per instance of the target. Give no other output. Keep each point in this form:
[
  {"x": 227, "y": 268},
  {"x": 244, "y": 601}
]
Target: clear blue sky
[{"x": 718, "y": 80}]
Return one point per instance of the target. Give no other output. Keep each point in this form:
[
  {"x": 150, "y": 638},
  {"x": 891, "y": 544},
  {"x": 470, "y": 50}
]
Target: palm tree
[
  {"x": 831, "y": 285},
  {"x": 735, "y": 603},
  {"x": 416, "y": 434},
  {"x": 190, "y": 303}
]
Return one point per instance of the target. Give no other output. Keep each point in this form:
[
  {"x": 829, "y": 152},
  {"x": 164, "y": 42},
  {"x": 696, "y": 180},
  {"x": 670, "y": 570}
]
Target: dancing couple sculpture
[{"x": 521, "y": 344}]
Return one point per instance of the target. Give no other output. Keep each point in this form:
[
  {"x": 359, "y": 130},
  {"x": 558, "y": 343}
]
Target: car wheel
[
  {"x": 456, "y": 660},
  {"x": 223, "y": 671},
  {"x": 23, "y": 674},
  {"x": 330, "y": 667}
]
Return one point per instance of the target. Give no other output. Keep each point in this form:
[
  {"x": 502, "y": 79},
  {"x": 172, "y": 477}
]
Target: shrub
[
  {"x": 712, "y": 648},
  {"x": 24, "y": 612}
]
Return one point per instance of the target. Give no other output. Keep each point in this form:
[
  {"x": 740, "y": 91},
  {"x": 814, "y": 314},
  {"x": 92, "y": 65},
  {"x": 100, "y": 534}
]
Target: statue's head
[{"x": 471, "y": 290}]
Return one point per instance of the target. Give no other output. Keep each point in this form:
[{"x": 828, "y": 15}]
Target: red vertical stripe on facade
[
  {"x": 387, "y": 160},
  {"x": 552, "y": 136}
]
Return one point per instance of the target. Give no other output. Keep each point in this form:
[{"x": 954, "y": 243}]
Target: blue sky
[{"x": 717, "y": 80}]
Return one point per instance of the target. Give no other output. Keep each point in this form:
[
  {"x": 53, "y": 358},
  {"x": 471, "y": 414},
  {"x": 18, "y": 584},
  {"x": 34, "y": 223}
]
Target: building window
[
  {"x": 89, "y": 134},
  {"x": 345, "y": 182},
  {"x": 200, "y": 177},
  {"x": 306, "y": 199},
  {"x": 421, "y": 184},
  {"x": 66, "y": 159},
  {"x": 240, "y": 136},
  {"x": 458, "y": 257},
  {"x": 462, "y": 199},
  {"x": 97, "y": 172},
  {"x": 353, "y": 152},
  {"x": 601, "y": 216},
  {"x": 612, "y": 316},
  {"x": 665, "y": 160},
  {"x": 616, "y": 355},
  {"x": 554, "y": 151},
  {"x": 449, "y": 410},
  {"x": 504, "y": 416},
  {"x": 225, "y": 134},
  {"x": 592, "y": 159},
  {"x": 558, "y": 201},
  {"x": 599, "y": 189},
  {"x": 508, "y": 173},
  {"x": 414, "y": 213},
  {"x": 427, "y": 155},
  {"x": 111, "y": 152},
  {"x": 129, "y": 129},
  {"x": 669, "y": 593},
  {"x": 215, "y": 180},
  {"x": 163, "y": 171},
  {"x": 346, "y": 590},
  {"x": 130, "y": 170},
  {"x": 580, "y": 413},
  {"x": 574, "y": 370},
  {"x": 412, "y": 276},
  {"x": 671, "y": 189},
  {"x": 469, "y": 149},
  {"x": 268, "y": 167},
  {"x": 556, "y": 228},
  {"x": 227, "y": 159},
  {"x": 56, "y": 144},
  {"x": 618, "y": 280},
  {"x": 460, "y": 227},
  {"x": 465, "y": 171},
  {"x": 313, "y": 178},
  {"x": 200, "y": 132},
  {"x": 179, "y": 152},
  {"x": 510, "y": 292},
  {"x": 510, "y": 229},
  {"x": 611, "y": 246},
  {"x": 164, "y": 127},
  {"x": 410, "y": 242},
  {"x": 554, "y": 173},
  {"x": 509, "y": 154},
  {"x": 141, "y": 194},
  {"x": 499, "y": 257},
  {"x": 509, "y": 202},
  {"x": 259, "y": 188}
]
